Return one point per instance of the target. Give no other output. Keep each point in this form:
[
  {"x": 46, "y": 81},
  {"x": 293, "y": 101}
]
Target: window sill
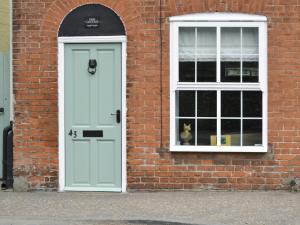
[{"x": 219, "y": 149}]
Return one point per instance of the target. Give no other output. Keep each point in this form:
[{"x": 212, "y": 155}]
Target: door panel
[
  {"x": 106, "y": 93},
  {"x": 81, "y": 156},
  {"x": 81, "y": 82},
  {"x": 106, "y": 170},
  {"x": 92, "y": 134}
]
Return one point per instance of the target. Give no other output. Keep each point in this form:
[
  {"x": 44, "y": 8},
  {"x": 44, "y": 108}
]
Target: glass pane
[
  {"x": 230, "y": 71},
  {"x": 207, "y": 42},
  {"x": 250, "y": 40},
  {"x": 206, "y": 71},
  {"x": 187, "y": 43},
  {"x": 230, "y": 54},
  {"x": 206, "y": 54},
  {"x": 186, "y": 71},
  {"x": 185, "y": 132},
  {"x": 230, "y": 103},
  {"x": 206, "y": 132},
  {"x": 250, "y": 71},
  {"x": 252, "y": 132},
  {"x": 231, "y": 42},
  {"x": 230, "y": 131},
  {"x": 187, "y": 51},
  {"x": 250, "y": 54},
  {"x": 207, "y": 103},
  {"x": 252, "y": 103},
  {"x": 186, "y": 103}
]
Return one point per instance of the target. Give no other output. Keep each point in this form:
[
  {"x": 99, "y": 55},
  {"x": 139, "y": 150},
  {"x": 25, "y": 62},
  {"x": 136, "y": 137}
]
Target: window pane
[
  {"x": 231, "y": 43},
  {"x": 185, "y": 132},
  {"x": 206, "y": 54},
  {"x": 186, "y": 103},
  {"x": 252, "y": 132},
  {"x": 230, "y": 130},
  {"x": 250, "y": 71},
  {"x": 206, "y": 71},
  {"x": 230, "y": 71},
  {"x": 187, "y": 44},
  {"x": 206, "y": 132},
  {"x": 250, "y": 40},
  {"x": 187, "y": 51},
  {"x": 230, "y": 103},
  {"x": 207, "y": 103},
  {"x": 230, "y": 54},
  {"x": 206, "y": 43},
  {"x": 252, "y": 103},
  {"x": 186, "y": 71}
]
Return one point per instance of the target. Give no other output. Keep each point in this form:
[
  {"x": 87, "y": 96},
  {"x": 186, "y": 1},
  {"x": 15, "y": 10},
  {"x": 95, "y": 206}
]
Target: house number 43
[{"x": 74, "y": 134}]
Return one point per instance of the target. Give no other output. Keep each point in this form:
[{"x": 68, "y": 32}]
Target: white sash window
[{"x": 218, "y": 89}]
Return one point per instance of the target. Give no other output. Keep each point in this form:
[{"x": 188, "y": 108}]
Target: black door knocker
[{"x": 92, "y": 66}]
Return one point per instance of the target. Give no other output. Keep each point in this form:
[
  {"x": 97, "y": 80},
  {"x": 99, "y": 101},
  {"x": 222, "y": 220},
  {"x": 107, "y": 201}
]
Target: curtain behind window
[{"x": 200, "y": 44}]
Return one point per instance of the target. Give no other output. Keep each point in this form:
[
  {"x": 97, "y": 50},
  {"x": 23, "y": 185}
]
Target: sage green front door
[{"x": 93, "y": 117}]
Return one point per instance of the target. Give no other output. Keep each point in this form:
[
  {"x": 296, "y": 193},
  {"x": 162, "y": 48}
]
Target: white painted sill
[{"x": 220, "y": 149}]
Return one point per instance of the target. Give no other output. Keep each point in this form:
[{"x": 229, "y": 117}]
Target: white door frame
[{"x": 61, "y": 120}]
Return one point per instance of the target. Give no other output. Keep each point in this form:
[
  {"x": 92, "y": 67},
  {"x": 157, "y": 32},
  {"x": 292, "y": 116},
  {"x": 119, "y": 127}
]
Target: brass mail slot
[{"x": 92, "y": 133}]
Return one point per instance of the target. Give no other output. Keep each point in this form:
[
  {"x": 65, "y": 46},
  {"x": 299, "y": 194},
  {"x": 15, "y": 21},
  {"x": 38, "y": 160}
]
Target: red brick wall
[{"x": 150, "y": 164}]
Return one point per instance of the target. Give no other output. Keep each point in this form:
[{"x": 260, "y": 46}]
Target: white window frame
[{"x": 218, "y": 20}]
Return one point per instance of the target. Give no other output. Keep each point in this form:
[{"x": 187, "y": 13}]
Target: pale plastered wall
[{"x": 4, "y": 26}]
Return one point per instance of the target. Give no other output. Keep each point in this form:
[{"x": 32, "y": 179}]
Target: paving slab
[{"x": 153, "y": 208}]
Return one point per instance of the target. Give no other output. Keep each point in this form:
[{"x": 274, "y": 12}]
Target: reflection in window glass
[
  {"x": 252, "y": 103},
  {"x": 186, "y": 71},
  {"x": 206, "y": 71},
  {"x": 252, "y": 132},
  {"x": 230, "y": 103},
  {"x": 230, "y": 54},
  {"x": 206, "y": 131},
  {"x": 230, "y": 71},
  {"x": 230, "y": 131},
  {"x": 207, "y": 103},
  {"x": 186, "y": 103},
  {"x": 250, "y": 54},
  {"x": 250, "y": 71}
]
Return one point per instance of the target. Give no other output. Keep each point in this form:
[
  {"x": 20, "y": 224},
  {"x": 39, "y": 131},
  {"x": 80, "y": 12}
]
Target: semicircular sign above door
[{"x": 91, "y": 20}]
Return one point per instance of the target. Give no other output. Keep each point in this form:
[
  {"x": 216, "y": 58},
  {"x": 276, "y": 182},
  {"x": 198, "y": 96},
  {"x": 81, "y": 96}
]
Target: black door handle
[
  {"x": 118, "y": 115},
  {"x": 1, "y": 110}
]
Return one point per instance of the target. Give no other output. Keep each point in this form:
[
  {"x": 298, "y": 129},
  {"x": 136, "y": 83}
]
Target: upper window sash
[{"x": 174, "y": 48}]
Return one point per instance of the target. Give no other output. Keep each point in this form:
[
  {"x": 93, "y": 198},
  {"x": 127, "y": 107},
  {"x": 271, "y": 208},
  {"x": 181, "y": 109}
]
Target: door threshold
[{"x": 93, "y": 189}]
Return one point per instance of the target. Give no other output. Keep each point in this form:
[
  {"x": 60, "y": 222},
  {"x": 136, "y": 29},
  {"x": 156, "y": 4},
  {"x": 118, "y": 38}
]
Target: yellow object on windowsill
[{"x": 225, "y": 140}]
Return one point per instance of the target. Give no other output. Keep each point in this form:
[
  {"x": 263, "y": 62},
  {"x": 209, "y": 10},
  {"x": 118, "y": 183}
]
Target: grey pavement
[{"x": 150, "y": 208}]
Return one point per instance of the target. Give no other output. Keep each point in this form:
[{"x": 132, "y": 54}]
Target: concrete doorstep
[{"x": 153, "y": 208}]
